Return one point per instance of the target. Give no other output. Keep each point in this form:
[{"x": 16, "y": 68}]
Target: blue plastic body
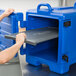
[{"x": 51, "y": 52}]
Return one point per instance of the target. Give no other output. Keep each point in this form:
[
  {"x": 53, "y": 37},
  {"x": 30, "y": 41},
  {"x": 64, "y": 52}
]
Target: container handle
[
  {"x": 75, "y": 5},
  {"x": 47, "y": 5}
]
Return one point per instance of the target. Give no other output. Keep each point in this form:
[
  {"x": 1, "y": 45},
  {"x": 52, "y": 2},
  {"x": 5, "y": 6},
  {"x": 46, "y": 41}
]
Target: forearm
[
  {"x": 9, "y": 53},
  {"x": 2, "y": 16}
]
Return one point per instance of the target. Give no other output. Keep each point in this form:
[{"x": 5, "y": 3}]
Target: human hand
[
  {"x": 20, "y": 38},
  {"x": 8, "y": 12}
]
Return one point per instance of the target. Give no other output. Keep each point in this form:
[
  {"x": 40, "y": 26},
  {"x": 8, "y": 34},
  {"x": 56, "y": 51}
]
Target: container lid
[{"x": 50, "y": 10}]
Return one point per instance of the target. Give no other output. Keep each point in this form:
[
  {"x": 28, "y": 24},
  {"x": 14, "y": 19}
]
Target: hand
[
  {"x": 8, "y": 12},
  {"x": 20, "y": 38}
]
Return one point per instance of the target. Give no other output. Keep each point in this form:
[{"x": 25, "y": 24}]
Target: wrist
[{"x": 20, "y": 42}]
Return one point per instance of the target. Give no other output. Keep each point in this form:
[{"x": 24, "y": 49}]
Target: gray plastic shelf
[{"x": 37, "y": 36}]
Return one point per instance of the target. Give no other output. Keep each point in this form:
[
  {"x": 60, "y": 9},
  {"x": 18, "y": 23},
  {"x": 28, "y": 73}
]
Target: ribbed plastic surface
[{"x": 6, "y": 27}]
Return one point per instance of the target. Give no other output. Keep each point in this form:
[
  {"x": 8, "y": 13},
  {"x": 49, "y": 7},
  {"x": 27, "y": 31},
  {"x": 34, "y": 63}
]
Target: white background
[
  {"x": 71, "y": 2},
  {"x": 23, "y": 5}
]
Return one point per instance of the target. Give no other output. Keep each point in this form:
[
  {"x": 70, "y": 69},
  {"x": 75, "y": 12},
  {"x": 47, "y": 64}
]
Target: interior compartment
[{"x": 47, "y": 50}]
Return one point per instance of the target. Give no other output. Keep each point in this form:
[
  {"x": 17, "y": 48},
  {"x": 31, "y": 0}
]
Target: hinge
[
  {"x": 19, "y": 18},
  {"x": 23, "y": 24}
]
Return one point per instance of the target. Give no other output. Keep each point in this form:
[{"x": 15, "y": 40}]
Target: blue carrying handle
[
  {"x": 75, "y": 5},
  {"x": 47, "y": 5}
]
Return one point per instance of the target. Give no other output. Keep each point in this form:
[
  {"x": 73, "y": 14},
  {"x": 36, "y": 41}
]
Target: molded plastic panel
[{"x": 8, "y": 26}]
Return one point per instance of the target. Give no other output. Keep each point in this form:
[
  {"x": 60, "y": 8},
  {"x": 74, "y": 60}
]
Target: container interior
[{"x": 47, "y": 50}]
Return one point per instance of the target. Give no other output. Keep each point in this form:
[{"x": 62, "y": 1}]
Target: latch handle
[
  {"x": 47, "y": 5},
  {"x": 65, "y": 58}
]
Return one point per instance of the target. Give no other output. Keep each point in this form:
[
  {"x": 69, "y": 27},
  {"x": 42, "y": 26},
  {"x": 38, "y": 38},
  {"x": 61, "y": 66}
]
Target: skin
[
  {"x": 7, "y": 54},
  {"x": 6, "y": 13}
]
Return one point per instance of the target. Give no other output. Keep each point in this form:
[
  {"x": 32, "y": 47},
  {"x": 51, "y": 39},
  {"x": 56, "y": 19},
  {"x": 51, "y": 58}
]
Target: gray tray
[{"x": 37, "y": 36}]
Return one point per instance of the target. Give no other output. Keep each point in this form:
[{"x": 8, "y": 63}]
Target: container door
[{"x": 7, "y": 26}]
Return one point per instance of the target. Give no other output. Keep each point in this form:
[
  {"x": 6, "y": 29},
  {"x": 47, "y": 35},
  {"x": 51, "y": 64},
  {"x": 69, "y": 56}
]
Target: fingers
[
  {"x": 21, "y": 35},
  {"x": 10, "y": 10},
  {"x": 20, "y": 38}
]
